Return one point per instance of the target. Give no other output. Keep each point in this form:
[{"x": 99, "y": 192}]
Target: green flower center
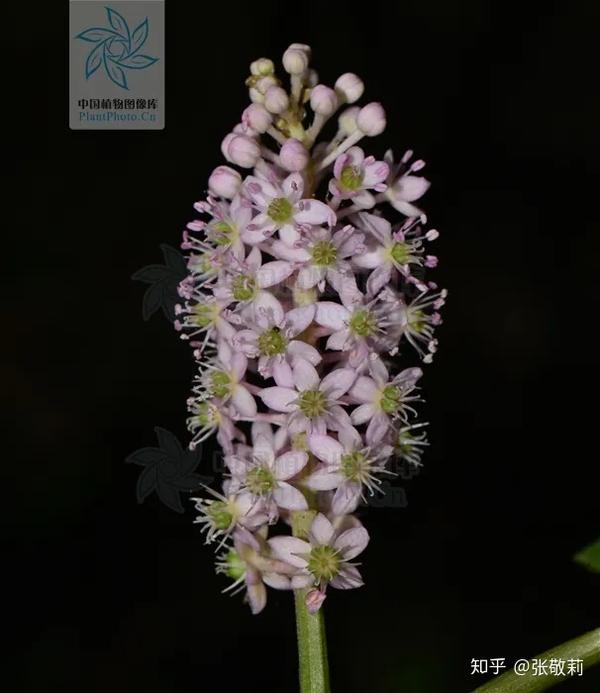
[
  {"x": 324, "y": 562},
  {"x": 203, "y": 314},
  {"x": 260, "y": 481},
  {"x": 280, "y": 210},
  {"x": 313, "y": 403},
  {"x": 400, "y": 253},
  {"x": 354, "y": 465},
  {"x": 363, "y": 323},
  {"x": 221, "y": 233},
  {"x": 351, "y": 177},
  {"x": 233, "y": 566},
  {"x": 391, "y": 399},
  {"x": 243, "y": 288},
  {"x": 272, "y": 342},
  {"x": 404, "y": 444},
  {"x": 202, "y": 264},
  {"x": 220, "y": 383},
  {"x": 206, "y": 415},
  {"x": 416, "y": 320},
  {"x": 220, "y": 515},
  {"x": 324, "y": 253}
]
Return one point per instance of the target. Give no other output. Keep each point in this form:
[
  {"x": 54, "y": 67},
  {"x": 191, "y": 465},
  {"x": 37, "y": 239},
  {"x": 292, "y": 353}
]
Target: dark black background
[{"x": 501, "y": 99}]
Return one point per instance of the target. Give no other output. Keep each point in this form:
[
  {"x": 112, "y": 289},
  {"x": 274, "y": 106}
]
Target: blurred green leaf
[{"x": 589, "y": 557}]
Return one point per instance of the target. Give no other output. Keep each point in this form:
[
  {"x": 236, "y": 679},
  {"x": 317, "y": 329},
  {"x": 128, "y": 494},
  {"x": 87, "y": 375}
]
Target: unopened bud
[
  {"x": 349, "y": 87},
  {"x": 347, "y": 120},
  {"x": 276, "y": 100},
  {"x": 262, "y": 67},
  {"x": 243, "y": 151},
  {"x": 323, "y": 100},
  {"x": 293, "y": 155},
  {"x": 224, "y": 182},
  {"x": 257, "y": 117},
  {"x": 371, "y": 119},
  {"x": 295, "y": 61}
]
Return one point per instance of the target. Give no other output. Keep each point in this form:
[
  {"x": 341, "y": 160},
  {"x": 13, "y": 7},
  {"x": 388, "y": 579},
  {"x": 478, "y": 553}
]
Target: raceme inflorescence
[{"x": 306, "y": 287}]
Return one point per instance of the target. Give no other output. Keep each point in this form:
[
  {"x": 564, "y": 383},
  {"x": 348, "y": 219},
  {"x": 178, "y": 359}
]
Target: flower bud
[
  {"x": 301, "y": 47},
  {"x": 243, "y": 129},
  {"x": 243, "y": 151},
  {"x": 293, "y": 155},
  {"x": 323, "y": 100},
  {"x": 264, "y": 83},
  {"x": 225, "y": 144},
  {"x": 349, "y": 87},
  {"x": 262, "y": 67},
  {"x": 371, "y": 119},
  {"x": 224, "y": 182},
  {"x": 347, "y": 120},
  {"x": 295, "y": 61},
  {"x": 257, "y": 117},
  {"x": 314, "y": 599},
  {"x": 276, "y": 100}
]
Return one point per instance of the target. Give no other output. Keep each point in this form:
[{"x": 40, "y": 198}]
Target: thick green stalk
[
  {"x": 310, "y": 628},
  {"x": 312, "y": 647},
  {"x": 585, "y": 647}
]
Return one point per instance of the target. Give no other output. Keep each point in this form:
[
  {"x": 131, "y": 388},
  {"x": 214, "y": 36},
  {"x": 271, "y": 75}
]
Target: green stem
[
  {"x": 312, "y": 647},
  {"x": 585, "y": 647},
  {"x": 310, "y": 628}
]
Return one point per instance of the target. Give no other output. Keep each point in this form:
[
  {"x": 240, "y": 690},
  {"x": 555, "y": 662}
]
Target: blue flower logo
[{"x": 117, "y": 48}]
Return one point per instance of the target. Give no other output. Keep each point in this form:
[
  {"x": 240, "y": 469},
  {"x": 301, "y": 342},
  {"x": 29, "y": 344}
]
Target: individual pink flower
[
  {"x": 281, "y": 208},
  {"x": 404, "y": 188},
  {"x": 382, "y": 398},
  {"x": 323, "y": 255},
  {"x": 221, "y": 515},
  {"x": 394, "y": 250},
  {"x": 269, "y": 337},
  {"x": 312, "y": 404},
  {"x": 223, "y": 377},
  {"x": 325, "y": 558},
  {"x": 349, "y": 468},
  {"x": 355, "y": 175},
  {"x": 244, "y": 282},
  {"x": 265, "y": 476},
  {"x": 360, "y": 325},
  {"x": 251, "y": 570}
]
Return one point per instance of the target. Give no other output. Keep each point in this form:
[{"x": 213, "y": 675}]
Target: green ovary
[
  {"x": 280, "y": 210},
  {"x": 391, "y": 398},
  {"x": 400, "y": 252},
  {"x": 221, "y": 233},
  {"x": 220, "y": 515},
  {"x": 243, "y": 288},
  {"x": 354, "y": 465},
  {"x": 272, "y": 342},
  {"x": 312, "y": 403},
  {"x": 220, "y": 383},
  {"x": 260, "y": 481},
  {"x": 416, "y": 321},
  {"x": 203, "y": 315},
  {"x": 324, "y": 254},
  {"x": 234, "y": 567},
  {"x": 351, "y": 177},
  {"x": 362, "y": 323},
  {"x": 205, "y": 415},
  {"x": 324, "y": 562}
]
